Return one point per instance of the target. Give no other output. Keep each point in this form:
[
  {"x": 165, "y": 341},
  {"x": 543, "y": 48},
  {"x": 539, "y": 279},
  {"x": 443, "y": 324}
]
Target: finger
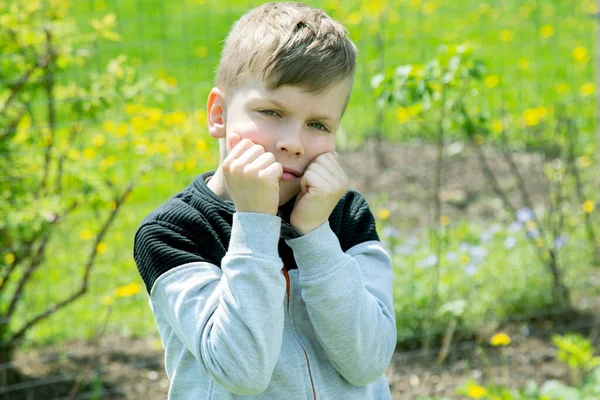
[
  {"x": 233, "y": 139},
  {"x": 250, "y": 155},
  {"x": 262, "y": 162},
  {"x": 323, "y": 172},
  {"x": 239, "y": 149},
  {"x": 275, "y": 170},
  {"x": 311, "y": 179}
]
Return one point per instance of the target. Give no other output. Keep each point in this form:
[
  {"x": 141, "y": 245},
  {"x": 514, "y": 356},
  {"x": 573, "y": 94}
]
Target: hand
[
  {"x": 251, "y": 176},
  {"x": 322, "y": 186}
]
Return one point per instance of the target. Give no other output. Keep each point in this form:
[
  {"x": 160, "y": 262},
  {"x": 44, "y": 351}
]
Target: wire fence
[{"x": 488, "y": 262}]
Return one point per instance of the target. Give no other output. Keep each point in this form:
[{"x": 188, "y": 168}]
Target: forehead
[{"x": 329, "y": 102}]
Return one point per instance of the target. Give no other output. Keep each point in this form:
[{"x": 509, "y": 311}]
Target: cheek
[
  {"x": 320, "y": 145},
  {"x": 247, "y": 130}
]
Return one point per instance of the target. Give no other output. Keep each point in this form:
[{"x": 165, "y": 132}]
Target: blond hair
[{"x": 286, "y": 43}]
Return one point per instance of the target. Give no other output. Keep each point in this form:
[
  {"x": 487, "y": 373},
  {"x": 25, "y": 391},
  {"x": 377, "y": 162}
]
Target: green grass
[{"x": 183, "y": 38}]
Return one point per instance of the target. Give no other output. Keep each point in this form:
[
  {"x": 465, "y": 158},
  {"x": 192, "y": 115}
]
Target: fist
[
  {"x": 251, "y": 176},
  {"x": 322, "y": 186}
]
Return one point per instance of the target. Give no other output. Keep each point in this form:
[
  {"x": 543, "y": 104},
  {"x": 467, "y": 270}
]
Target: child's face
[{"x": 295, "y": 125}]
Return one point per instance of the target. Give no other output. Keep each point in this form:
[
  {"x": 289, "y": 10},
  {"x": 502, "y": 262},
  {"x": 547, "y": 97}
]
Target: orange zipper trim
[{"x": 310, "y": 375}]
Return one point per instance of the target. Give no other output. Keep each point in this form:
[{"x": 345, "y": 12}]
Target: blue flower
[
  {"x": 560, "y": 241},
  {"x": 451, "y": 256},
  {"x": 525, "y": 214},
  {"x": 429, "y": 261},
  {"x": 510, "y": 242},
  {"x": 533, "y": 234},
  {"x": 515, "y": 227},
  {"x": 478, "y": 254},
  {"x": 390, "y": 231},
  {"x": 404, "y": 249},
  {"x": 470, "y": 269},
  {"x": 485, "y": 237},
  {"x": 464, "y": 246}
]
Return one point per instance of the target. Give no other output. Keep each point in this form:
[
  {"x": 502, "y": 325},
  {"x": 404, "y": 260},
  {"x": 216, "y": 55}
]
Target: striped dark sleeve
[
  {"x": 160, "y": 246},
  {"x": 352, "y": 221}
]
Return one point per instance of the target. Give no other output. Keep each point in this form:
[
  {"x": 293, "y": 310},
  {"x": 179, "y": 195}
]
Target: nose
[{"x": 290, "y": 141}]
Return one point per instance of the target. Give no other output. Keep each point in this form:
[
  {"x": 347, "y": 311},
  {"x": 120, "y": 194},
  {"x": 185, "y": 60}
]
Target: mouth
[{"x": 289, "y": 174}]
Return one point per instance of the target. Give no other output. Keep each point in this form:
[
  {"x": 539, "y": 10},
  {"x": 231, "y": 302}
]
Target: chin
[{"x": 287, "y": 193}]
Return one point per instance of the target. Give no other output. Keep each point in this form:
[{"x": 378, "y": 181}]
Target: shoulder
[
  {"x": 175, "y": 233},
  {"x": 352, "y": 220}
]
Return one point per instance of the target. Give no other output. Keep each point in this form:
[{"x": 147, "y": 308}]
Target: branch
[
  {"x": 75, "y": 129},
  {"x": 88, "y": 266},
  {"x": 35, "y": 262},
  {"x": 11, "y": 127},
  {"x": 51, "y": 109},
  {"x": 520, "y": 181},
  {"x": 17, "y": 86}
]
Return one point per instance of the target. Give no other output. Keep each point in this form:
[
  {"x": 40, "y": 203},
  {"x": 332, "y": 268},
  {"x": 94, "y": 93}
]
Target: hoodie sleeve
[
  {"x": 349, "y": 298},
  {"x": 224, "y": 316}
]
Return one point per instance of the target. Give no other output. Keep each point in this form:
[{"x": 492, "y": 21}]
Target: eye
[
  {"x": 319, "y": 126},
  {"x": 269, "y": 113}
]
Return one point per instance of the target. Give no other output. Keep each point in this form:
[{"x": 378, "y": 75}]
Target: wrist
[{"x": 307, "y": 228}]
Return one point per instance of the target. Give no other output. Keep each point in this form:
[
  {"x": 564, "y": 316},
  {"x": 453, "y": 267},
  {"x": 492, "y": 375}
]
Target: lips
[
  {"x": 292, "y": 171},
  {"x": 290, "y": 174}
]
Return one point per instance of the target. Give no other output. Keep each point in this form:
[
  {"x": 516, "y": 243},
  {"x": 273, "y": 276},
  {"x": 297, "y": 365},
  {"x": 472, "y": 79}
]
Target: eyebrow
[{"x": 278, "y": 104}]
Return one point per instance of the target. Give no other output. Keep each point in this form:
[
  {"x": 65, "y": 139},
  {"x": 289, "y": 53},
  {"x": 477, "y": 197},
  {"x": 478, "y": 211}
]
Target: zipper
[{"x": 287, "y": 289}]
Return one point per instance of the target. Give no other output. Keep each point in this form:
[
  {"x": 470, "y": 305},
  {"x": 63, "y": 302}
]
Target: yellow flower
[
  {"x": 562, "y": 88},
  {"x": 175, "y": 118},
  {"x": 584, "y": 162},
  {"x": 107, "y": 300},
  {"x": 523, "y": 64},
  {"x": 500, "y": 339},
  {"x": 546, "y": 31},
  {"x": 202, "y": 51},
  {"x": 445, "y": 220},
  {"x": 111, "y": 205},
  {"x": 178, "y": 165},
  {"x": 505, "y": 36},
  {"x": 429, "y": 8},
  {"x": 384, "y": 214},
  {"x": 190, "y": 164},
  {"x": 476, "y": 392},
  {"x": 9, "y": 258},
  {"x": 101, "y": 248},
  {"x": 588, "y": 206},
  {"x": 109, "y": 126},
  {"x": 532, "y": 116},
  {"x": 154, "y": 114},
  {"x": 86, "y": 234},
  {"x": 201, "y": 145},
  {"x": 591, "y": 7},
  {"x": 539, "y": 242},
  {"x": 98, "y": 140},
  {"x": 497, "y": 126},
  {"x": 491, "y": 81},
  {"x": 402, "y": 115},
  {"x": 128, "y": 290},
  {"x": 478, "y": 139},
  {"x": 171, "y": 81},
  {"x": 587, "y": 89},
  {"x": 354, "y": 18},
  {"x": 580, "y": 55},
  {"x": 133, "y": 109},
  {"x": 89, "y": 153},
  {"x": 531, "y": 225},
  {"x": 464, "y": 259}
]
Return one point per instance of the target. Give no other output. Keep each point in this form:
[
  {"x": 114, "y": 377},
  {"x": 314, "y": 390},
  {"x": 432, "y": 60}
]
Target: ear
[{"x": 215, "y": 111}]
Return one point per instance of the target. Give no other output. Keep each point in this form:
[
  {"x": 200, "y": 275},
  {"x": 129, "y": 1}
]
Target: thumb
[{"x": 233, "y": 139}]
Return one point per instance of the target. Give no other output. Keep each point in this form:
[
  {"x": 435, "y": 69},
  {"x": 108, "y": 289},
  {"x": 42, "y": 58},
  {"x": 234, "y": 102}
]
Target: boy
[{"x": 266, "y": 277}]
